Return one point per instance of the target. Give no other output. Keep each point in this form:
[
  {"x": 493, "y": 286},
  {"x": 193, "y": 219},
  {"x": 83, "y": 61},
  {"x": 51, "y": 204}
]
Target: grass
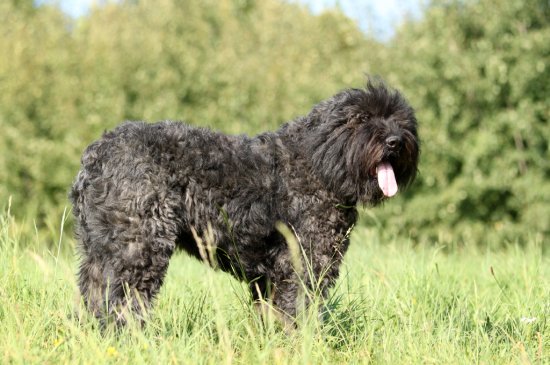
[{"x": 394, "y": 304}]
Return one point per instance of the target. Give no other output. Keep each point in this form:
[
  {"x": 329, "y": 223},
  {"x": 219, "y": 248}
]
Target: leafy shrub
[{"x": 476, "y": 71}]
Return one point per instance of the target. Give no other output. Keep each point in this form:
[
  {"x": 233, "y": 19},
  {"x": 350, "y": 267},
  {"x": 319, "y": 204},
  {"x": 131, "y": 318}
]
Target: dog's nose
[{"x": 393, "y": 142}]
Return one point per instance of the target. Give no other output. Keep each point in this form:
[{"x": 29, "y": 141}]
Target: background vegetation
[{"x": 476, "y": 71}]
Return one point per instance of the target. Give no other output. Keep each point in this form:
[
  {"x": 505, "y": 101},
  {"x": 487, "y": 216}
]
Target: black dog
[{"x": 145, "y": 189}]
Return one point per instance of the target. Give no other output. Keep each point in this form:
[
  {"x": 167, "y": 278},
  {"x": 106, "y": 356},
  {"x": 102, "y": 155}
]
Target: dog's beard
[
  {"x": 372, "y": 194},
  {"x": 389, "y": 170}
]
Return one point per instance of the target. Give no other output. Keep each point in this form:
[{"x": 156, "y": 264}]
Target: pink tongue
[{"x": 386, "y": 179}]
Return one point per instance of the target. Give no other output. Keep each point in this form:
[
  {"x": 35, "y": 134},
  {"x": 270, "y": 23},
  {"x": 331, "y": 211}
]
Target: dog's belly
[
  {"x": 244, "y": 261},
  {"x": 187, "y": 243}
]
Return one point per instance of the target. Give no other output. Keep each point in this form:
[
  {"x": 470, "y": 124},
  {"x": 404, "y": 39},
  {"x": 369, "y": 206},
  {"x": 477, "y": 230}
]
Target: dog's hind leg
[
  {"x": 142, "y": 279},
  {"x": 121, "y": 287},
  {"x": 92, "y": 285},
  {"x": 123, "y": 267}
]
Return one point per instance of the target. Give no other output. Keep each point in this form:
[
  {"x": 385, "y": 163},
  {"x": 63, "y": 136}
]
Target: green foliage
[
  {"x": 476, "y": 71},
  {"x": 478, "y": 74},
  {"x": 240, "y": 67}
]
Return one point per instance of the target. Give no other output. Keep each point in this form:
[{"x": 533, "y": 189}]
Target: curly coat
[{"x": 146, "y": 189}]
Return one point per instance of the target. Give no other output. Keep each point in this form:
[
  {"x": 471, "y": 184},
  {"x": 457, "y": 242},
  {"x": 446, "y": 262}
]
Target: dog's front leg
[{"x": 309, "y": 266}]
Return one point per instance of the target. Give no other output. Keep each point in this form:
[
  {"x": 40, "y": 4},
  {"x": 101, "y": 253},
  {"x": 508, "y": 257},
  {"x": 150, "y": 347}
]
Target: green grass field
[{"x": 394, "y": 304}]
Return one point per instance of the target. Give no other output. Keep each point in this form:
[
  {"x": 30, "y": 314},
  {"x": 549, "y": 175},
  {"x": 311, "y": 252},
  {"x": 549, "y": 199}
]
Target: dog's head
[{"x": 365, "y": 143}]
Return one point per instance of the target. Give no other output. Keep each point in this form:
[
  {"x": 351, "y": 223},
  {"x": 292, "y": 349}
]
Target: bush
[
  {"x": 476, "y": 71},
  {"x": 478, "y": 75}
]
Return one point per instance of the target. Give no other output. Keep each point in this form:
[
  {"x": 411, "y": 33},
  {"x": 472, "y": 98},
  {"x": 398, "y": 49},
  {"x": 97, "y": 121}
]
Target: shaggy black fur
[{"x": 145, "y": 189}]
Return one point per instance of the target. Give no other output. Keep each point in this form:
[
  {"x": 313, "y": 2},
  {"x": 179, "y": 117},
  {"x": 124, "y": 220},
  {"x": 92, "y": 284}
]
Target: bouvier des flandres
[{"x": 145, "y": 189}]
